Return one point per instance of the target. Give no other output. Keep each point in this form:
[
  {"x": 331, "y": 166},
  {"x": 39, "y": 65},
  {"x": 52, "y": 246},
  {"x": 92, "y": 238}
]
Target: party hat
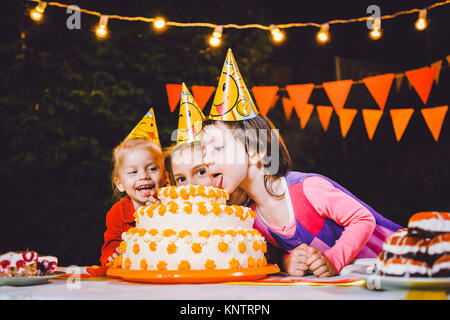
[
  {"x": 146, "y": 128},
  {"x": 232, "y": 101},
  {"x": 190, "y": 118}
]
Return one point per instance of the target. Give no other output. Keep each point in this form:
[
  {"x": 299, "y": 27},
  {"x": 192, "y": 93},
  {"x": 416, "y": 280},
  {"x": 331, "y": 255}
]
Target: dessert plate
[
  {"x": 192, "y": 276},
  {"x": 28, "y": 281},
  {"x": 378, "y": 282}
]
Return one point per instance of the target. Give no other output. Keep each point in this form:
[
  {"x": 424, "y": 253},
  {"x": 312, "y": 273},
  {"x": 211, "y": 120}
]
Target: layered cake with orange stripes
[
  {"x": 421, "y": 250},
  {"x": 192, "y": 229},
  {"x": 429, "y": 224}
]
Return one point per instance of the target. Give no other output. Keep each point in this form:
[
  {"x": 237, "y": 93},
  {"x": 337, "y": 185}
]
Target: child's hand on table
[
  {"x": 295, "y": 263},
  {"x": 305, "y": 258},
  {"x": 319, "y": 264},
  {"x": 114, "y": 255}
]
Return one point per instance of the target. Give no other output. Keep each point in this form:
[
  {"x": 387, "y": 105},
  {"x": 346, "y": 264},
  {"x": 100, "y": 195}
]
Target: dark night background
[{"x": 67, "y": 99}]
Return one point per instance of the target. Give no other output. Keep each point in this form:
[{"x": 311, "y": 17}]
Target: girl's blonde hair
[{"x": 132, "y": 144}]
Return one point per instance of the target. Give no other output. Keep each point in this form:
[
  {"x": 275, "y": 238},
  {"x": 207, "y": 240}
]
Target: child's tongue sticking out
[
  {"x": 147, "y": 191},
  {"x": 217, "y": 181}
]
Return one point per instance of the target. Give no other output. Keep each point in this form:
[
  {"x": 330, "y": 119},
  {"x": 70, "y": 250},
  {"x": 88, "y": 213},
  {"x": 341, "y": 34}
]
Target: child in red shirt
[{"x": 138, "y": 173}]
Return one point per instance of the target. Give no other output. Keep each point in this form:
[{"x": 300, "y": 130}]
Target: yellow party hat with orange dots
[
  {"x": 146, "y": 128},
  {"x": 232, "y": 101},
  {"x": 190, "y": 118}
]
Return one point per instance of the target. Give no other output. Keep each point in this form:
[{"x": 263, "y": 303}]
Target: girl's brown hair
[
  {"x": 168, "y": 152},
  {"x": 261, "y": 122},
  {"x": 131, "y": 144}
]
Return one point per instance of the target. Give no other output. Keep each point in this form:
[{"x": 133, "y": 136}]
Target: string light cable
[{"x": 274, "y": 30}]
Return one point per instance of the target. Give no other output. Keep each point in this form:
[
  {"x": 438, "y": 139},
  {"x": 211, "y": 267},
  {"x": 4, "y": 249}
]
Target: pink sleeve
[{"x": 346, "y": 211}]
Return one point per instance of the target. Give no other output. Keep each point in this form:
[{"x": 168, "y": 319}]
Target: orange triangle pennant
[
  {"x": 337, "y": 92},
  {"x": 379, "y": 87},
  {"x": 398, "y": 81},
  {"x": 265, "y": 96},
  {"x": 173, "y": 95},
  {"x": 306, "y": 114},
  {"x": 434, "y": 117},
  {"x": 422, "y": 80},
  {"x": 202, "y": 94},
  {"x": 299, "y": 94},
  {"x": 346, "y": 117},
  {"x": 400, "y": 120},
  {"x": 324, "y": 113},
  {"x": 287, "y": 106},
  {"x": 438, "y": 66},
  {"x": 371, "y": 119}
]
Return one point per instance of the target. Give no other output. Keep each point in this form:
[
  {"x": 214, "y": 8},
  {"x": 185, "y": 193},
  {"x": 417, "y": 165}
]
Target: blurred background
[{"x": 67, "y": 99}]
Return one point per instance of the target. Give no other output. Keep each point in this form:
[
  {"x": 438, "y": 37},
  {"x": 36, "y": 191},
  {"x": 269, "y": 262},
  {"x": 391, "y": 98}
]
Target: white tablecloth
[{"x": 114, "y": 289}]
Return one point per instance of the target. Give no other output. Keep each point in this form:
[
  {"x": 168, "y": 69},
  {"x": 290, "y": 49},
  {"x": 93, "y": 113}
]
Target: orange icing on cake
[
  {"x": 192, "y": 229},
  {"x": 430, "y": 215},
  {"x": 144, "y": 264}
]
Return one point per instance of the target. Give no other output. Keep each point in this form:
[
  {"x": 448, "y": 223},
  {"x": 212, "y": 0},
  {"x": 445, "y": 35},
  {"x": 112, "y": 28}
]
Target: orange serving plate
[{"x": 193, "y": 276}]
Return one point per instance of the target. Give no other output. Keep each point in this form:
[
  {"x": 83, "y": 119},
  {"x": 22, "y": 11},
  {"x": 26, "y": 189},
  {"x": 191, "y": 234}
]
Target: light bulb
[
  {"x": 323, "y": 36},
  {"x": 376, "y": 29},
  {"x": 375, "y": 34},
  {"x": 214, "y": 41},
  {"x": 277, "y": 35},
  {"x": 101, "y": 30},
  {"x": 37, "y": 13},
  {"x": 36, "y": 16},
  {"x": 421, "y": 23},
  {"x": 159, "y": 23}
]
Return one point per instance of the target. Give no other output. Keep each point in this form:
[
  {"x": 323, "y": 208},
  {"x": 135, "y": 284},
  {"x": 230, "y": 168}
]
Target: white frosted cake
[{"x": 192, "y": 229}]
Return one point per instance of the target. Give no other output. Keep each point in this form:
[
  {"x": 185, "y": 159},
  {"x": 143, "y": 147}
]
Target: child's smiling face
[
  {"x": 140, "y": 175},
  {"x": 188, "y": 166},
  {"x": 224, "y": 155}
]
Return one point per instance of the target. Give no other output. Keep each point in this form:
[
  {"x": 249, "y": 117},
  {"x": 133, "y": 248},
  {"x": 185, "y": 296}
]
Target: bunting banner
[
  {"x": 173, "y": 94},
  {"x": 202, "y": 94},
  {"x": 399, "y": 81},
  {"x": 287, "y": 107},
  {"x": 434, "y": 117},
  {"x": 346, "y": 117},
  {"x": 379, "y": 87},
  {"x": 400, "y": 119},
  {"x": 422, "y": 80},
  {"x": 324, "y": 113},
  {"x": 437, "y": 65},
  {"x": 337, "y": 92},
  {"x": 371, "y": 119},
  {"x": 305, "y": 114},
  {"x": 297, "y": 97},
  {"x": 266, "y": 97}
]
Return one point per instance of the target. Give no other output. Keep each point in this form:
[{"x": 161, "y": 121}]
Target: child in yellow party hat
[
  {"x": 319, "y": 225},
  {"x": 184, "y": 161},
  {"x": 137, "y": 174}
]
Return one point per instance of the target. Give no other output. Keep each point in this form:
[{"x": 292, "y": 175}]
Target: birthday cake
[
  {"x": 421, "y": 250},
  {"x": 26, "y": 263},
  {"x": 192, "y": 229}
]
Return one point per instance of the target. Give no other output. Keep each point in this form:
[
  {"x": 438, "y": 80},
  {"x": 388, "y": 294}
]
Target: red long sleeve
[{"x": 118, "y": 220}]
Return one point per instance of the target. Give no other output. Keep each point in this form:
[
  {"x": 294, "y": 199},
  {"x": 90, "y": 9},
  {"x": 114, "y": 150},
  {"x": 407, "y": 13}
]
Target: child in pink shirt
[{"x": 318, "y": 224}]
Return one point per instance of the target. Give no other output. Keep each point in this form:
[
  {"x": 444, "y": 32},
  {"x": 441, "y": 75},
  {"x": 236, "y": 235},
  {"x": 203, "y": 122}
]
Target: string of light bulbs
[{"x": 215, "y": 39}]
